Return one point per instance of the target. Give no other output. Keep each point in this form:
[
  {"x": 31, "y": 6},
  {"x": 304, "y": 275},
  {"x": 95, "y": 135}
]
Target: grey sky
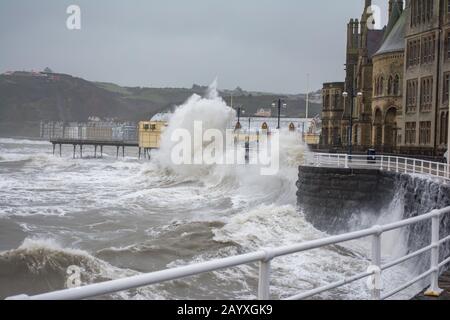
[{"x": 267, "y": 45}]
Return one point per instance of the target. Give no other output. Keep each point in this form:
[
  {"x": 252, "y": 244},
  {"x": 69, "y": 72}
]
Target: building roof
[
  {"x": 333, "y": 84},
  {"x": 395, "y": 37},
  {"x": 374, "y": 41}
]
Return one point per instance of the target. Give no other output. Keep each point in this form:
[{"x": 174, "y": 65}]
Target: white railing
[
  {"x": 264, "y": 257},
  {"x": 386, "y": 163}
]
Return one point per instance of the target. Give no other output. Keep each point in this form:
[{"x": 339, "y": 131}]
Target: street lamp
[
  {"x": 240, "y": 111},
  {"x": 350, "y": 138},
  {"x": 281, "y": 104}
]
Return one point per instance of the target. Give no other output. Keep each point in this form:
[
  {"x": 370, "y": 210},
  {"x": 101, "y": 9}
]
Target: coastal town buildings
[{"x": 402, "y": 73}]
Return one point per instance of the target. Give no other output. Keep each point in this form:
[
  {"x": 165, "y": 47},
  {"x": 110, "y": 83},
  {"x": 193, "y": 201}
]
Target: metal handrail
[
  {"x": 264, "y": 257},
  {"x": 381, "y": 162}
]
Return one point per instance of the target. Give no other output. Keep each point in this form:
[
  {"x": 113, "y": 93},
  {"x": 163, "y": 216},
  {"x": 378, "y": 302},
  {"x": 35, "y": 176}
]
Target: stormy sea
[{"x": 115, "y": 218}]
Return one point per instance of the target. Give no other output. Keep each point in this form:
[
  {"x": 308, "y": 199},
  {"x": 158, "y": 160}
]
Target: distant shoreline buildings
[
  {"x": 263, "y": 113},
  {"x": 402, "y": 75}
]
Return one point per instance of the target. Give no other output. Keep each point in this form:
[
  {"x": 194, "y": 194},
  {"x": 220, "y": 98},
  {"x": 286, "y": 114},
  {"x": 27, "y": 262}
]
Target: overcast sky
[{"x": 264, "y": 45}]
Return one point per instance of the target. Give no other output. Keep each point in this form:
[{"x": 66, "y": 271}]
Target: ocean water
[{"x": 119, "y": 217}]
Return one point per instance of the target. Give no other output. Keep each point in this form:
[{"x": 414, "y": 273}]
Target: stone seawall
[
  {"x": 343, "y": 200},
  {"x": 334, "y": 199}
]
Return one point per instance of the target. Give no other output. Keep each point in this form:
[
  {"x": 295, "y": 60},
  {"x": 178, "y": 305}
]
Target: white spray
[{"x": 211, "y": 111}]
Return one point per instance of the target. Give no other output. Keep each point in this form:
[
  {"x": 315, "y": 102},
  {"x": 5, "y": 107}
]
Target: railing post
[
  {"x": 389, "y": 163},
  {"x": 381, "y": 163},
  {"x": 397, "y": 169},
  {"x": 376, "y": 261},
  {"x": 346, "y": 161},
  {"x": 264, "y": 280},
  {"x": 434, "y": 290}
]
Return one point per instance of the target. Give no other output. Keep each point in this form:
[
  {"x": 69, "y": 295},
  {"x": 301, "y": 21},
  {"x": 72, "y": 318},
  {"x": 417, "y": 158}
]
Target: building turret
[
  {"x": 391, "y": 4},
  {"x": 364, "y": 26},
  {"x": 352, "y": 34},
  {"x": 395, "y": 5},
  {"x": 395, "y": 12}
]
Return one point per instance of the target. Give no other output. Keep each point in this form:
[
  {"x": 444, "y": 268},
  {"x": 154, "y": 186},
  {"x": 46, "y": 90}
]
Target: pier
[
  {"x": 145, "y": 136},
  {"x": 98, "y": 146}
]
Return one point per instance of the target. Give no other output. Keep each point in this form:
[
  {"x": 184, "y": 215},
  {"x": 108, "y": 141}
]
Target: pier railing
[
  {"x": 381, "y": 162},
  {"x": 376, "y": 266}
]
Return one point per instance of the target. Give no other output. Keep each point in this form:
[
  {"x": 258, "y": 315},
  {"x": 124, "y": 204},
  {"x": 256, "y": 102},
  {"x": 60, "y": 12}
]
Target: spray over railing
[
  {"x": 381, "y": 162},
  {"x": 375, "y": 270}
]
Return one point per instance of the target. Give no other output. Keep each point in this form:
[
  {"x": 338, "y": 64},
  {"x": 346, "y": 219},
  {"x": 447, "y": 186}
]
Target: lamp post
[
  {"x": 307, "y": 96},
  {"x": 350, "y": 138},
  {"x": 281, "y": 104},
  {"x": 240, "y": 111}
]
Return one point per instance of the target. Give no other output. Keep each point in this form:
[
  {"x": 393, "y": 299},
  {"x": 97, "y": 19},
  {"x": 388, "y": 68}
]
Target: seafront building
[
  {"x": 402, "y": 72},
  {"x": 334, "y": 127}
]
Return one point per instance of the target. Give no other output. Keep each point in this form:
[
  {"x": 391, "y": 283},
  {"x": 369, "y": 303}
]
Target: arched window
[
  {"x": 380, "y": 86},
  {"x": 390, "y": 86},
  {"x": 378, "y": 128},
  {"x": 336, "y": 102},
  {"x": 444, "y": 128},
  {"x": 375, "y": 87},
  {"x": 396, "y": 86}
]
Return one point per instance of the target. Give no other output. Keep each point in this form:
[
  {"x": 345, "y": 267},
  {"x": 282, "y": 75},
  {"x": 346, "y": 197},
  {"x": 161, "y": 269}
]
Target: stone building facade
[
  {"x": 388, "y": 73},
  {"x": 404, "y": 79},
  {"x": 370, "y": 41},
  {"x": 333, "y": 111},
  {"x": 362, "y": 43},
  {"x": 351, "y": 61},
  {"x": 427, "y": 68}
]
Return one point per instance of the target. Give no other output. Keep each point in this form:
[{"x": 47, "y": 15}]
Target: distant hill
[
  {"x": 27, "y": 98},
  {"x": 251, "y": 101}
]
